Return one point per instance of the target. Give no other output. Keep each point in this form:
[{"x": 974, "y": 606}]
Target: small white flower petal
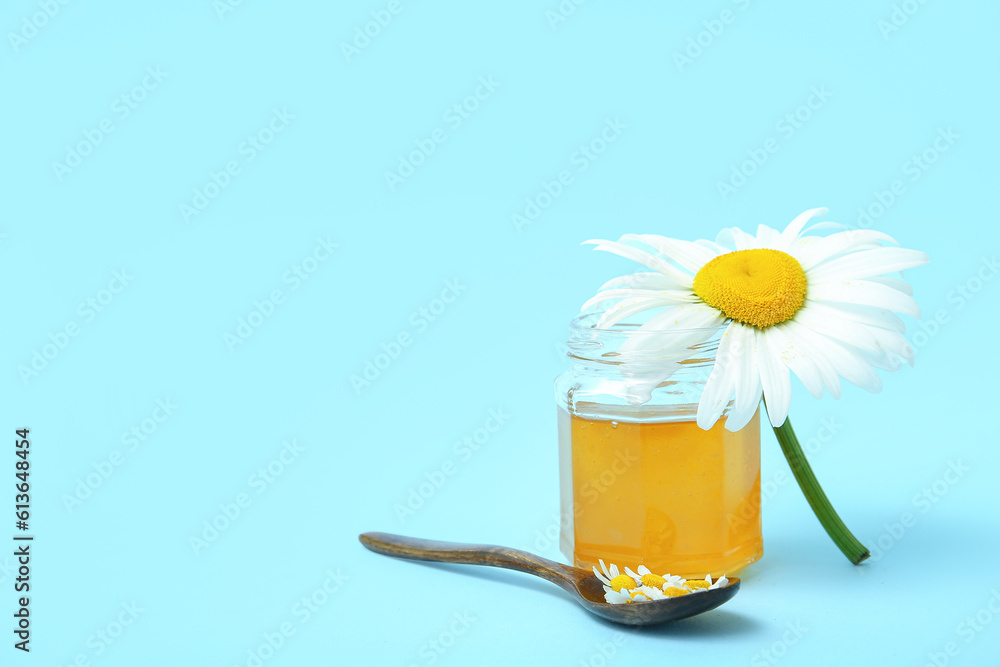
[
  {"x": 774, "y": 379},
  {"x": 652, "y": 593},
  {"x": 867, "y": 315},
  {"x": 848, "y": 363},
  {"x": 625, "y": 309},
  {"x": 819, "y": 317},
  {"x": 641, "y": 280},
  {"x": 883, "y": 359},
  {"x": 736, "y": 238},
  {"x": 690, "y": 256},
  {"x": 826, "y": 224},
  {"x": 737, "y": 419},
  {"x": 894, "y": 283},
  {"x": 713, "y": 246},
  {"x": 865, "y": 293},
  {"x": 696, "y": 317},
  {"x": 612, "y": 596},
  {"x": 748, "y": 388},
  {"x": 866, "y": 264},
  {"x": 894, "y": 343},
  {"x": 664, "y": 297},
  {"x": 811, "y": 250},
  {"x": 796, "y": 359},
  {"x": 794, "y": 228},
  {"x": 721, "y": 383},
  {"x": 824, "y": 368},
  {"x": 768, "y": 237},
  {"x": 647, "y": 259}
]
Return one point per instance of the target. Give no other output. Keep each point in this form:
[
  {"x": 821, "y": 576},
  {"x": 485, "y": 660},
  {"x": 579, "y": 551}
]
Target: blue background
[{"x": 885, "y": 81}]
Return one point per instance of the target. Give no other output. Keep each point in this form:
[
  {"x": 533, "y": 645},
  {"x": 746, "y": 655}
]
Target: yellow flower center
[
  {"x": 760, "y": 287},
  {"x": 622, "y": 581},
  {"x": 653, "y": 580},
  {"x": 674, "y": 592},
  {"x": 696, "y": 584}
]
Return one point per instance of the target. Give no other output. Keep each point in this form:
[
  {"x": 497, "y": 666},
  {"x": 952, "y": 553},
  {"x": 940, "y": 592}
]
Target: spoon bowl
[{"x": 586, "y": 588}]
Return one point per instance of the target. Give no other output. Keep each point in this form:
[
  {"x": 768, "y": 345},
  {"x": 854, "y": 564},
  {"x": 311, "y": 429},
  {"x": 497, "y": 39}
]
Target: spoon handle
[{"x": 415, "y": 548}]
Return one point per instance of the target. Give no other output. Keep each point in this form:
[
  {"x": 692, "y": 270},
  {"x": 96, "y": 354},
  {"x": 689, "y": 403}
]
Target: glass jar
[{"x": 640, "y": 482}]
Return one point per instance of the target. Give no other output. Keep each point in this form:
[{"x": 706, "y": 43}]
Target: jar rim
[{"x": 640, "y": 350}]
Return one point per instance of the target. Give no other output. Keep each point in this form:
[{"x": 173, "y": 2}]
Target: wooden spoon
[{"x": 582, "y": 584}]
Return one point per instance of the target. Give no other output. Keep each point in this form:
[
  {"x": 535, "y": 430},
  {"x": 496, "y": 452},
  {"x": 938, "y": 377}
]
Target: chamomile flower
[
  {"x": 646, "y": 578},
  {"x": 612, "y": 596},
  {"x": 613, "y": 579},
  {"x": 641, "y": 585},
  {"x": 820, "y": 307}
]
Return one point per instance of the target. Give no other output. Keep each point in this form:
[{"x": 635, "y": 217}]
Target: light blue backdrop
[{"x": 215, "y": 214}]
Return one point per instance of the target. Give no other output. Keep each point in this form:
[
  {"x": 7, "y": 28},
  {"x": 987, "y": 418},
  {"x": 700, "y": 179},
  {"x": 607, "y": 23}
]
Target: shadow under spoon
[{"x": 581, "y": 584}]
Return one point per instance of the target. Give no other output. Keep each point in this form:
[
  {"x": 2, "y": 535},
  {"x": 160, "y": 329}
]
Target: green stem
[{"x": 831, "y": 522}]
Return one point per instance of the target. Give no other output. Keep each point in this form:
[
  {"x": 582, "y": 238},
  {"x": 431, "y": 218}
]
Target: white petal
[
  {"x": 652, "y": 593},
  {"x": 713, "y": 246},
  {"x": 720, "y": 385},
  {"x": 665, "y": 297},
  {"x": 811, "y": 250},
  {"x": 690, "y": 256},
  {"x": 782, "y": 346},
  {"x": 748, "y": 388},
  {"x": 865, "y": 293},
  {"x": 820, "y": 317},
  {"x": 794, "y": 228},
  {"x": 867, "y": 263},
  {"x": 826, "y": 224},
  {"x": 682, "y": 327},
  {"x": 736, "y": 238},
  {"x": 625, "y": 309},
  {"x": 737, "y": 419},
  {"x": 768, "y": 237},
  {"x": 642, "y": 280},
  {"x": 883, "y": 359},
  {"x": 774, "y": 379},
  {"x": 743, "y": 352},
  {"x": 848, "y": 363},
  {"x": 894, "y": 283},
  {"x": 688, "y": 316},
  {"x": 894, "y": 343},
  {"x": 802, "y": 342},
  {"x": 873, "y": 317},
  {"x": 648, "y": 259}
]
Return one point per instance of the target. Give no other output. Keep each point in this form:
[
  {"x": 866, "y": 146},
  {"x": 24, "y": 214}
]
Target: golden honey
[{"x": 649, "y": 486}]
